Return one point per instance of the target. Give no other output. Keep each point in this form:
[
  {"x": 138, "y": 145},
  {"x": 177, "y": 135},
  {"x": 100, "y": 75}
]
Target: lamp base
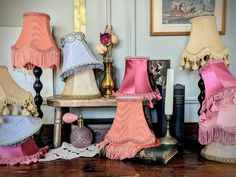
[
  {"x": 38, "y": 87},
  {"x": 168, "y": 139}
]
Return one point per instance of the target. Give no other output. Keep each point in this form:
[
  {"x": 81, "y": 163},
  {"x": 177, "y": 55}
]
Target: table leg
[{"x": 57, "y": 127}]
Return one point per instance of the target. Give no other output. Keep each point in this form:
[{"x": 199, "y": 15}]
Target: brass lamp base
[{"x": 168, "y": 139}]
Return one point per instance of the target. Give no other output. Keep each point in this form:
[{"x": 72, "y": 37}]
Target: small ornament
[{"x": 81, "y": 136}]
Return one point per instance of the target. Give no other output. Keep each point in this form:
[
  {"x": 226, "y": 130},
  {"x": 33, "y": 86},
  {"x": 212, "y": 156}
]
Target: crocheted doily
[{"x": 68, "y": 151}]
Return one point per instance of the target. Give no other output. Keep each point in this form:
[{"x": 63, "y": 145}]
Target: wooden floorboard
[{"x": 187, "y": 163}]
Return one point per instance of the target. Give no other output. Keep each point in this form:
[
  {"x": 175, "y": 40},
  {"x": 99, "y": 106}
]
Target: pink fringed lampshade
[
  {"x": 136, "y": 81},
  {"x": 35, "y": 46}
]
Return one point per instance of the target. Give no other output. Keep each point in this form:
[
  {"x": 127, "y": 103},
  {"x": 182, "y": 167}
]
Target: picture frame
[
  {"x": 171, "y": 17},
  {"x": 158, "y": 71}
]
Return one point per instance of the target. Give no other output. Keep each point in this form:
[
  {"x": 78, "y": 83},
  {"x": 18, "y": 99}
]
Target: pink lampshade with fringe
[
  {"x": 35, "y": 46},
  {"x": 136, "y": 81}
]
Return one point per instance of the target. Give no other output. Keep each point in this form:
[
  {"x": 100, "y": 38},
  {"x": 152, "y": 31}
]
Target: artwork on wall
[
  {"x": 158, "y": 72},
  {"x": 172, "y": 17}
]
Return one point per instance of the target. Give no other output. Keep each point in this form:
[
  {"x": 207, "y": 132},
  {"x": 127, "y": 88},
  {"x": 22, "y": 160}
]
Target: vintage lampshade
[
  {"x": 78, "y": 65},
  {"x": 35, "y": 46},
  {"x": 217, "y": 123},
  {"x": 136, "y": 81},
  {"x": 204, "y": 44},
  {"x": 36, "y": 49},
  {"x": 130, "y": 131}
]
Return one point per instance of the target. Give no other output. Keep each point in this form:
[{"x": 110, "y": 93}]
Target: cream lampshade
[
  {"x": 204, "y": 43},
  {"x": 78, "y": 65}
]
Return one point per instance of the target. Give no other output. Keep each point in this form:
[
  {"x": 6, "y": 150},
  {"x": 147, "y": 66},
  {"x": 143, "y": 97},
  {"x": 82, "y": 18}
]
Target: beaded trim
[{"x": 80, "y": 97}]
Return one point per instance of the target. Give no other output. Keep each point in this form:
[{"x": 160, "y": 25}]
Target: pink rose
[{"x": 105, "y": 38}]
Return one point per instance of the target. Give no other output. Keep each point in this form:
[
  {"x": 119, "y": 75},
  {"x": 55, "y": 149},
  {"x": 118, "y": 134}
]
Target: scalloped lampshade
[
  {"x": 204, "y": 41},
  {"x": 35, "y": 45},
  {"x": 78, "y": 65}
]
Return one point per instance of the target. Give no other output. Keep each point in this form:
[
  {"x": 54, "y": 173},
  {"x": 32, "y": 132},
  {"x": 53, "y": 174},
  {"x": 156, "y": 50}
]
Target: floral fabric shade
[
  {"x": 76, "y": 55},
  {"x": 35, "y": 46},
  {"x": 204, "y": 41}
]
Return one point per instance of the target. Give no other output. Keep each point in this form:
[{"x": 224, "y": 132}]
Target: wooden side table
[{"x": 60, "y": 104}]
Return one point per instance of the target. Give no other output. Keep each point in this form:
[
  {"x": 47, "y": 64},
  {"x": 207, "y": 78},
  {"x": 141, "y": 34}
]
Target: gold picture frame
[{"x": 171, "y": 18}]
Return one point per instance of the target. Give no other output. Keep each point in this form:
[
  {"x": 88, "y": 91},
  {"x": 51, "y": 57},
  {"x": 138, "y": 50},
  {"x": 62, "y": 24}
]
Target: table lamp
[
  {"x": 204, "y": 44},
  {"x": 36, "y": 49},
  {"x": 130, "y": 131},
  {"x": 78, "y": 65}
]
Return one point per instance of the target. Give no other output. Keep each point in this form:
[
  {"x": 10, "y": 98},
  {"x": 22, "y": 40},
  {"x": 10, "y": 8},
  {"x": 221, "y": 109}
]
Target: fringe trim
[
  {"x": 26, "y": 104},
  {"x": 123, "y": 151},
  {"x": 193, "y": 61},
  {"x": 222, "y": 98},
  {"x": 74, "y": 69},
  {"x": 25, "y": 160},
  {"x": 29, "y": 56},
  {"x": 219, "y": 134},
  {"x": 217, "y": 159},
  {"x": 145, "y": 96}
]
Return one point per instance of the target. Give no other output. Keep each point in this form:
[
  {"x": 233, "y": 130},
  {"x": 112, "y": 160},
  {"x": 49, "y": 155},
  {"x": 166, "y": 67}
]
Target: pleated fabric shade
[
  {"x": 35, "y": 45},
  {"x": 78, "y": 65},
  {"x": 130, "y": 132}
]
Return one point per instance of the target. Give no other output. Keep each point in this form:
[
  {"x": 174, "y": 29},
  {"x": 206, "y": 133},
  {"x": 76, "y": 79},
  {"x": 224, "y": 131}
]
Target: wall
[{"x": 130, "y": 20}]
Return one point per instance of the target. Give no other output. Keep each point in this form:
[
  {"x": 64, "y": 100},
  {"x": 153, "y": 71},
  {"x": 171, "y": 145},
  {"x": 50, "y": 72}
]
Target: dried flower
[{"x": 107, "y": 41}]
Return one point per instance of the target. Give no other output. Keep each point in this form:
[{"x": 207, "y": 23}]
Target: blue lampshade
[{"x": 77, "y": 56}]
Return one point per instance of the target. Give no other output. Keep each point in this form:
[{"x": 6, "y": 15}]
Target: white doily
[{"x": 68, "y": 151}]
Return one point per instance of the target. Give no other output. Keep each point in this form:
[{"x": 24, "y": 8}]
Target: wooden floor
[{"x": 187, "y": 163}]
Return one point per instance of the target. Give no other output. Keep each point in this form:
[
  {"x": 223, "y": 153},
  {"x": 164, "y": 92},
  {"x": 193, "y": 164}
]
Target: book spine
[
  {"x": 178, "y": 113},
  {"x": 177, "y": 123}
]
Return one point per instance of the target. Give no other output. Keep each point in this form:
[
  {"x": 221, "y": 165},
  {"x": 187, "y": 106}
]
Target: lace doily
[{"x": 68, "y": 151}]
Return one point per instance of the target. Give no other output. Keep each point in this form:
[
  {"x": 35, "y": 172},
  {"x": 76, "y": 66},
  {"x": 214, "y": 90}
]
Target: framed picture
[
  {"x": 172, "y": 17},
  {"x": 158, "y": 72}
]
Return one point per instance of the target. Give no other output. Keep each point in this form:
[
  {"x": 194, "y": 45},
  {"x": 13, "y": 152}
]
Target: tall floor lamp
[{"x": 36, "y": 49}]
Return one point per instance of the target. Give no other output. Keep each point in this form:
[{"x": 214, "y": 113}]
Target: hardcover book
[{"x": 160, "y": 154}]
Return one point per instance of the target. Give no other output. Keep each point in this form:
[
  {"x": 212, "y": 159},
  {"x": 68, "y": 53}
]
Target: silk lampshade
[
  {"x": 35, "y": 45},
  {"x": 36, "y": 49},
  {"x": 78, "y": 65},
  {"x": 136, "y": 81},
  {"x": 204, "y": 41}
]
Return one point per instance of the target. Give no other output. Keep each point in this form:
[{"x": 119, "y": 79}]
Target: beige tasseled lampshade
[
  {"x": 13, "y": 95},
  {"x": 81, "y": 85},
  {"x": 204, "y": 41}
]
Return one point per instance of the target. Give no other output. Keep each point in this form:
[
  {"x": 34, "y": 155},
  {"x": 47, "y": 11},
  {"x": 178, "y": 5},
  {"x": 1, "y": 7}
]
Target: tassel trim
[
  {"x": 193, "y": 61},
  {"x": 26, "y": 104},
  {"x": 144, "y": 96},
  {"x": 218, "y": 133},
  {"x": 222, "y": 98},
  {"x": 123, "y": 151},
  {"x": 30, "y": 56}
]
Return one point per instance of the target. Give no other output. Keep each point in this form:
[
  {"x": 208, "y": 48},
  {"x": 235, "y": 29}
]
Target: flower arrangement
[{"x": 107, "y": 41}]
